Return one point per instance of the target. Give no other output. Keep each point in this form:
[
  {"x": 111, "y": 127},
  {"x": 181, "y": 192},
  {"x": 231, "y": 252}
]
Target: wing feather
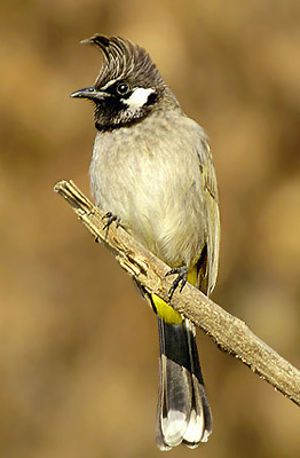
[{"x": 211, "y": 211}]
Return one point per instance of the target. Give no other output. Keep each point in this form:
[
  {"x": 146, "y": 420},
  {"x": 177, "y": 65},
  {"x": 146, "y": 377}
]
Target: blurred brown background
[{"x": 78, "y": 363}]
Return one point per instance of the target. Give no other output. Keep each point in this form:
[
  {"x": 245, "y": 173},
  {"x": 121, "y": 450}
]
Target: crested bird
[{"x": 152, "y": 169}]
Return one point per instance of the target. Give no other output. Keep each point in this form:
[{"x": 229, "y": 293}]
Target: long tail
[{"x": 183, "y": 412}]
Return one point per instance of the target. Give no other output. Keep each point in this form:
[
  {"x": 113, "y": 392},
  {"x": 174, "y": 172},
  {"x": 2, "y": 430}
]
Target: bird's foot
[
  {"x": 109, "y": 218},
  {"x": 181, "y": 279}
]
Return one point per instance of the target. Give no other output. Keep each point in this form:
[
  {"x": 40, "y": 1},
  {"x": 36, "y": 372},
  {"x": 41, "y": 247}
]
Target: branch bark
[{"x": 229, "y": 333}]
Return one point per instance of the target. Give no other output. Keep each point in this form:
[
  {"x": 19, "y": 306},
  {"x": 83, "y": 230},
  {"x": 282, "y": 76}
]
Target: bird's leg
[
  {"x": 181, "y": 279},
  {"x": 110, "y": 218}
]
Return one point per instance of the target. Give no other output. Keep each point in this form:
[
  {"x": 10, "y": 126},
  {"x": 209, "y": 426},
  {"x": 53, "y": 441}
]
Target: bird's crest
[{"x": 123, "y": 59}]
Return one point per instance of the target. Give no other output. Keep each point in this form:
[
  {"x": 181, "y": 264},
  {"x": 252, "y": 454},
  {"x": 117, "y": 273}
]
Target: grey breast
[{"x": 150, "y": 176}]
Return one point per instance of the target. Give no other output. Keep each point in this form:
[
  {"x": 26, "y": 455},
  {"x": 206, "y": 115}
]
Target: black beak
[{"x": 89, "y": 93}]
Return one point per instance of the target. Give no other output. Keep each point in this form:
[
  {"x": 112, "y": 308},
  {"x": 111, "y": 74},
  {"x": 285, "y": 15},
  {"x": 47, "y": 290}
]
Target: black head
[{"x": 128, "y": 87}]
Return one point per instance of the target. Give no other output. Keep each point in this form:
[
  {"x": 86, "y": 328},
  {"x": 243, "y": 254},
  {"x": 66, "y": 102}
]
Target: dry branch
[{"x": 230, "y": 333}]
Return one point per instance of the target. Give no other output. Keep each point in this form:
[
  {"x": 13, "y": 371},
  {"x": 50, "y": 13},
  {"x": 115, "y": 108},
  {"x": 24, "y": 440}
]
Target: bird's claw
[
  {"x": 181, "y": 279},
  {"x": 110, "y": 218}
]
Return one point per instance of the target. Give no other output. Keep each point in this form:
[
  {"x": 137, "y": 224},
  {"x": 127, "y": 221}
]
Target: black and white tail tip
[{"x": 183, "y": 413}]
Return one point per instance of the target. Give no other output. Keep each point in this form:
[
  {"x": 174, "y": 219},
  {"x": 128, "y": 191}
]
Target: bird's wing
[{"x": 211, "y": 212}]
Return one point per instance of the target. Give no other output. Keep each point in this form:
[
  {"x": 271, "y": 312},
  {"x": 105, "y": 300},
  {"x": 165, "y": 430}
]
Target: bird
[{"x": 152, "y": 170}]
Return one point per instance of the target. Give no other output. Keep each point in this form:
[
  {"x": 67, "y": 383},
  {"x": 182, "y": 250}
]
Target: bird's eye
[{"x": 122, "y": 88}]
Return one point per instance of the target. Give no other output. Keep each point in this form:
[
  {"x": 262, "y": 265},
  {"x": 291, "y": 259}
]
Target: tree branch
[{"x": 230, "y": 333}]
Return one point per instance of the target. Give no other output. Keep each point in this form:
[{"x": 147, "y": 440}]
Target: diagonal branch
[{"x": 230, "y": 333}]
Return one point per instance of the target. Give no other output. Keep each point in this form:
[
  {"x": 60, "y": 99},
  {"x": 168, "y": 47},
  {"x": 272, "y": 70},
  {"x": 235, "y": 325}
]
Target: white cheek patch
[{"x": 138, "y": 98}]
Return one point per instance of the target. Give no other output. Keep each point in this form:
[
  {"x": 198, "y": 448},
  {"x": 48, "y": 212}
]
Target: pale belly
[{"x": 158, "y": 195}]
